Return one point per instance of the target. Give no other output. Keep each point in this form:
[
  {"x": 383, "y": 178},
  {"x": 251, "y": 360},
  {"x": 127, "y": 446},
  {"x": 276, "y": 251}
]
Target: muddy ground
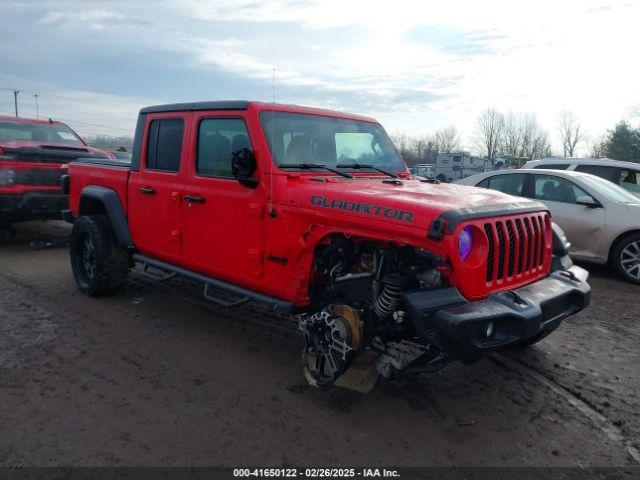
[{"x": 153, "y": 376}]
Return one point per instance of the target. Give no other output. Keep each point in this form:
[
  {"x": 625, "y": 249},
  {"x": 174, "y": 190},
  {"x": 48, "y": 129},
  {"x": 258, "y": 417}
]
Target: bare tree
[
  {"x": 447, "y": 140},
  {"x": 535, "y": 141},
  {"x": 415, "y": 149},
  {"x": 489, "y": 131},
  {"x": 570, "y": 133},
  {"x": 598, "y": 147},
  {"x": 513, "y": 134},
  {"x": 401, "y": 141}
]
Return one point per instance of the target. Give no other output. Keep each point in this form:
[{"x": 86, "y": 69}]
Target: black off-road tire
[
  {"x": 100, "y": 266},
  {"x": 622, "y": 258}
]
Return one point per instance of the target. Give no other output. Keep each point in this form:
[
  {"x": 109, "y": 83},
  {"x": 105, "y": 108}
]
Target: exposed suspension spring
[{"x": 389, "y": 298}]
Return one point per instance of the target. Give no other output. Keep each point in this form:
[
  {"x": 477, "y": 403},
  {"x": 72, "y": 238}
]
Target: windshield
[
  {"x": 296, "y": 138},
  {"x": 610, "y": 191},
  {"x": 38, "y": 132}
]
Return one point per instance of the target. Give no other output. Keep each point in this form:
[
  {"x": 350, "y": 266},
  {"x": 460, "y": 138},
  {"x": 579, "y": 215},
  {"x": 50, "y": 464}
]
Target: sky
[{"x": 417, "y": 66}]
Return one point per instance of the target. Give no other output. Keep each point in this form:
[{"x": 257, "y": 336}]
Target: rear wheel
[
  {"x": 626, "y": 258},
  {"x": 99, "y": 264}
]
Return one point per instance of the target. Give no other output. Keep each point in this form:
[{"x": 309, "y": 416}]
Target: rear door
[
  {"x": 582, "y": 224},
  {"x": 155, "y": 190},
  {"x": 223, "y": 219}
]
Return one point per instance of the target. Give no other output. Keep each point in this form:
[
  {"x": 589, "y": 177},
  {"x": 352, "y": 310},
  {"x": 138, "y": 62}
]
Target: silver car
[{"x": 601, "y": 220}]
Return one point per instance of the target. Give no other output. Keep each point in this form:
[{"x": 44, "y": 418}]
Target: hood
[
  {"x": 407, "y": 201},
  {"x": 48, "y": 152}
]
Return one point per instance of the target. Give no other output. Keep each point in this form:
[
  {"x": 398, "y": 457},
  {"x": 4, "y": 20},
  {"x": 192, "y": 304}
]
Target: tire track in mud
[{"x": 603, "y": 423}]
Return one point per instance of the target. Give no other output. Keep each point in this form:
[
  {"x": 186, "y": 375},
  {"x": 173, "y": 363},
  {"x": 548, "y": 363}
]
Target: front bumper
[
  {"x": 32, "y": 206},
  {"x": 516, "y": 316}
]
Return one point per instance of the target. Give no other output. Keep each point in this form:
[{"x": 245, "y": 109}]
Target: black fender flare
[{"x": 113, "y": 206}]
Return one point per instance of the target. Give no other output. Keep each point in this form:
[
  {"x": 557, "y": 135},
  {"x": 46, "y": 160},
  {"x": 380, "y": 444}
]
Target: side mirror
[
  {"x": 587, "y": 201},
  {"x": 243, "y": 166}
]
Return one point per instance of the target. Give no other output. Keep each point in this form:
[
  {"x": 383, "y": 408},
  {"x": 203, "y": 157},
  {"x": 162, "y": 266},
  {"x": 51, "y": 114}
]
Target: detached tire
[
  {"x": 626, "y": 258},
  {"x": 99, "y": 264}
]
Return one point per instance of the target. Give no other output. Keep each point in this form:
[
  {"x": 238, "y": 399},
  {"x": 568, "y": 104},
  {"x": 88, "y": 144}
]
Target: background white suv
[{"x": 625, "y": 174}]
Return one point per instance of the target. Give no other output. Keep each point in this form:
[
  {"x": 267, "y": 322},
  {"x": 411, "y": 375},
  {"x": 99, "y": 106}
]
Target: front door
[
  {"x": 155, "y": 190},
  {"x": 223, "y": 220},
  {"x": 582, "y": 224}
]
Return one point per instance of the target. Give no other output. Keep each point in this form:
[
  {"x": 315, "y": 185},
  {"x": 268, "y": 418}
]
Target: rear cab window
[{"x": 164, "y": 144}]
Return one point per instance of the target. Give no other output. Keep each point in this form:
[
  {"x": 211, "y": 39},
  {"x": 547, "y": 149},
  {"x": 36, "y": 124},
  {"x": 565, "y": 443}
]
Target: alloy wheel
[{"x": 630, "y": 259}]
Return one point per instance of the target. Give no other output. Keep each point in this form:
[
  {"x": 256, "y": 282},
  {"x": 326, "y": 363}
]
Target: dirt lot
[{"x": 152, "y": 376}]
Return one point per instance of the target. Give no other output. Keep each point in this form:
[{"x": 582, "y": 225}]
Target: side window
[
  {"x": 553, "y": 166},
  {"x": 483, "y": 184},
  {"x": 512, "y": 184},
  {"x": 598, "y": 170},
  {"x": 218, "y": 138},
  {"x": 164, "y": 146},
  {"x": 556, "y": 189},
  {"x": 630, "y": 180}
]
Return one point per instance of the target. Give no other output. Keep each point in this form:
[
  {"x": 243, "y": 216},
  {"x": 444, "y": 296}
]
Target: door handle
[
  {"x": 147, "y": 191},
  {"x": 194, "y": 199}
]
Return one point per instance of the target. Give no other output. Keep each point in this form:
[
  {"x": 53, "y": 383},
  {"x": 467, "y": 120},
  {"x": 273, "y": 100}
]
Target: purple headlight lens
[{"x": 464, "y": 243}]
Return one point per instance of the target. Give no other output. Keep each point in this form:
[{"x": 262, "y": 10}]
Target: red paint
[{"x": 232, "y": 235}]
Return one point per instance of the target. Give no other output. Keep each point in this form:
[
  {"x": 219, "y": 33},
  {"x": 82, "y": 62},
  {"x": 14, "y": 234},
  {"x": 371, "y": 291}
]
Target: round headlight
[{"x": 464, "y": 243}]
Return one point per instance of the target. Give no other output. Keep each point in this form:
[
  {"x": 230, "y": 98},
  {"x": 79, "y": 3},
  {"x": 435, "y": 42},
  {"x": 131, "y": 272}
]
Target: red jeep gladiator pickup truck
[
  {"x": 314, "y": 213},
  {"x": 34, "y": 154}
]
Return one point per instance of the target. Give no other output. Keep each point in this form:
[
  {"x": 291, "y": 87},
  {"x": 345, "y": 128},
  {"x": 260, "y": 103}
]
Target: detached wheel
[
  {"x": 626, "y": 258},
  {"x": 99, "y": 264}
]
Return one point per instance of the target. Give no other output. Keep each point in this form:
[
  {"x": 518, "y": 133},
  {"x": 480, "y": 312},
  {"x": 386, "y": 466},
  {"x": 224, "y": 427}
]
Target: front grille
[
  {"x": 516, "y": 247},
  {"x": 40, "y": 178}
]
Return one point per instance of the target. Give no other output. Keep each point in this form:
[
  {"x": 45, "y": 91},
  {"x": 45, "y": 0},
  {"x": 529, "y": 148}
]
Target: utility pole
[
  {"x": 37, "y": 111},
  {"x": 15, "y": 100}
]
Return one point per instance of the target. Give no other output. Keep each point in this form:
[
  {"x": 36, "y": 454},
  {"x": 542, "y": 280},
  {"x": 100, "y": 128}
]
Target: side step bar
[{"x": 209, "y": 282}]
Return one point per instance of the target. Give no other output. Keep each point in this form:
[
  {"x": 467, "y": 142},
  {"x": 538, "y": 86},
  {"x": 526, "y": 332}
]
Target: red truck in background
[
  {"x": 34, "y": 154},
  {"x": 314, "y": 213}
]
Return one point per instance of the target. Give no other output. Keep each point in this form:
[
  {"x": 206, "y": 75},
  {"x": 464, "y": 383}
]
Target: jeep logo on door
[{"x": 365, "y": 208}]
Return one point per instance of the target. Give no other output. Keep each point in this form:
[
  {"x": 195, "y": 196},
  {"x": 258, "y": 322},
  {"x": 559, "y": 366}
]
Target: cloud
[
  {"x": 418, "y": 65},
  {"x": 94, "y": 19}
]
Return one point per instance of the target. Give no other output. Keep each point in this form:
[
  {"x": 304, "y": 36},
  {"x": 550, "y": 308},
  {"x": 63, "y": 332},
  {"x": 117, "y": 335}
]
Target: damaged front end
[{"x": 400, "y": 302}]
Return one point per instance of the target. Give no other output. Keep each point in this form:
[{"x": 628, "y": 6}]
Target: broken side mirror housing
[{"x": 243, "y": 166}]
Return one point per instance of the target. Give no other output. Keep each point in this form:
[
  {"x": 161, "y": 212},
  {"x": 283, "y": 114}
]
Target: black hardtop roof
[{"x": 191, "y": 106}]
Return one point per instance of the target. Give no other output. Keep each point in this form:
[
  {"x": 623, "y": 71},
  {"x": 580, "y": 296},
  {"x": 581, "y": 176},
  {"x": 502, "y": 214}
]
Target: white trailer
[{"x": 454, "y": 166}]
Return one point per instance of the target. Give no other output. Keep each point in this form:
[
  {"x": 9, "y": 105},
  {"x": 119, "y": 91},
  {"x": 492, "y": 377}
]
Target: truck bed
[{"x": 104, "y": 172}]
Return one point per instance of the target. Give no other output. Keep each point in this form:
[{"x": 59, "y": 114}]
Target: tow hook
[
  {"x": 569, "y": 274},
  {"x": 515, "y": 296}
]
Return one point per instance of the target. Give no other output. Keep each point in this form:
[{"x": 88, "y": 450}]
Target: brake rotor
[{"x": 332, "y": 336}]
